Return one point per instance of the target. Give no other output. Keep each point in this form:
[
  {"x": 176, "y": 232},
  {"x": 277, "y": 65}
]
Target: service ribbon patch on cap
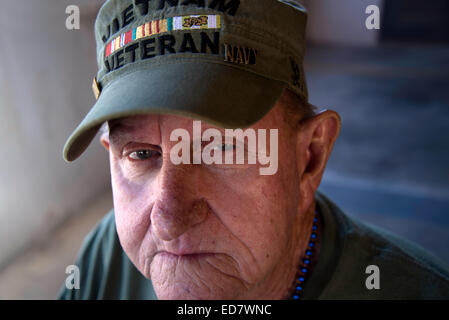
[{"x": 156, "y": 27}]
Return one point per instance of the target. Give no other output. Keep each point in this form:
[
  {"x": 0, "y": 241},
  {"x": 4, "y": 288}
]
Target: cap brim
[{"x": 219, "y": 94}]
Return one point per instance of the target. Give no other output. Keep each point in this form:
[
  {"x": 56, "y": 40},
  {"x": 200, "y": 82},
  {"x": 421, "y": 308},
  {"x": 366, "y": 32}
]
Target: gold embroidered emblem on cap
[
  {"x": 240, "y": 55},
  {"x": 195, "y": 21},
  {"x": 96, "y": 88}
]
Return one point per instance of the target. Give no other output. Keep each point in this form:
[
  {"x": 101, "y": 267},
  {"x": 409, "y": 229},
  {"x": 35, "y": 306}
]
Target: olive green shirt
[{"x": 348, "y": 247}]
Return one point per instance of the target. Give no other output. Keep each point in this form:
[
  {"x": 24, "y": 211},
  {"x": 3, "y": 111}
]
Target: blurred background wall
[
  {"x": 390, "y": 166},
  {"x": 340, "y": 22},
  {"x": 45, "y": 78}
]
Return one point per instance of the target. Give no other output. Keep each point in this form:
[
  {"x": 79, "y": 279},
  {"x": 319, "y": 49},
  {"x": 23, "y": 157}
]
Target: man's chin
[
  {"x": 183, "y": 293},
  {"x": 190, "y": 279},
  {"x": 191, "y": 290}
]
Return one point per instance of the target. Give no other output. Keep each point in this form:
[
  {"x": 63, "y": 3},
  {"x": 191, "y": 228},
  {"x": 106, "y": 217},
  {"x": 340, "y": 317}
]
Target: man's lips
[{"x": 185, "y": 254}]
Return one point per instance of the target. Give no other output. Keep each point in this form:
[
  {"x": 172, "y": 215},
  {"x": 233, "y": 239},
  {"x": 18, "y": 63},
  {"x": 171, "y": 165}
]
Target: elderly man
[{"x": 202, "y": 211}]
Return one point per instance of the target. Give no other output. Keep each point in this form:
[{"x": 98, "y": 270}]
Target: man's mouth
[{"x": 185, "y": 255}]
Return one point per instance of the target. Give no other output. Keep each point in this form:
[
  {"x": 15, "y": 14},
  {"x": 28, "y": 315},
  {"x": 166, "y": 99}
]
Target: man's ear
[
  {"x": 104, "y": 139},
  {"x": 315, "y": 140}
]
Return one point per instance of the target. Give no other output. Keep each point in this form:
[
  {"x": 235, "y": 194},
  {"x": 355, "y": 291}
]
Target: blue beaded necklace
[{"x": 303, "y": 269}]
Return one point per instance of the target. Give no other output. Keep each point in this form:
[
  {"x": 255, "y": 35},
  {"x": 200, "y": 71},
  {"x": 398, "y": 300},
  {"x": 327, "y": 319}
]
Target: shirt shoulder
[
  {"x": 404, "y": 269},
  {"x": 105, "y": 270}
]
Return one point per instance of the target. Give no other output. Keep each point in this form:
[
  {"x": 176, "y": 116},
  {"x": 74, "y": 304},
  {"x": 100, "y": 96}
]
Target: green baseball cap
[{"x": 222, "y": 61}]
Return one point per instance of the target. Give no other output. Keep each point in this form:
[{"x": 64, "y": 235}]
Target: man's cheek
[
  {"x": 133, "y": 219},
  {"x": 136, "y": 240}
]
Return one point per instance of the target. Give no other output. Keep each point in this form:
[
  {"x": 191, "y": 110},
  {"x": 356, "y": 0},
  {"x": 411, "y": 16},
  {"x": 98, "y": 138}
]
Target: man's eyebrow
[
  {"x": 123, "y": 127},
  {"x": 122, "y": 131},
  {"x": 119, "y": 125},
  {"x": 119, "y": 131}
]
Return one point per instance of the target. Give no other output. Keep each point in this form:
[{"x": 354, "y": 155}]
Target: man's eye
[{"x": 143, "y": 154}]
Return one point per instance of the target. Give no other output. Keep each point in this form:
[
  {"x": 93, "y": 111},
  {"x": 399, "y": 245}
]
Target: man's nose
[{"x": 178, "y": 207}]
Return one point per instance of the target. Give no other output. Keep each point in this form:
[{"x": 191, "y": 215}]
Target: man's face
[{"x": 202, "y": 231}]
